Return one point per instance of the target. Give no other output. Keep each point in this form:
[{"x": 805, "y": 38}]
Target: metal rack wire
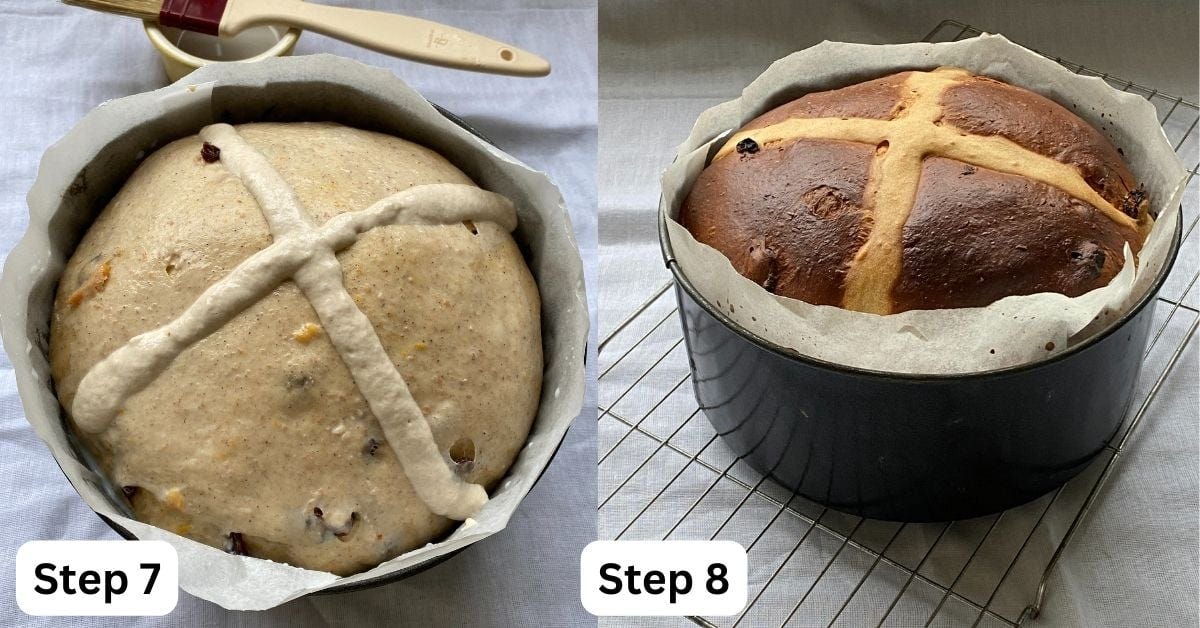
[{"x": 665, "y": 474}]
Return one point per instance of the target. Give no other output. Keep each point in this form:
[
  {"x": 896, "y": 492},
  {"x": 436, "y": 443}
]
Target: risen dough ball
[{"x": 256, "y": 439}]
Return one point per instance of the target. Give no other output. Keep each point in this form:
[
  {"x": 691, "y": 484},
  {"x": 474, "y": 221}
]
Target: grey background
[
  {"x": 60, "y": 62},
  {"x": 663, "y": 63}
]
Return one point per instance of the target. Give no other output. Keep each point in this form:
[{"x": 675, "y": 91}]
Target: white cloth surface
[
  {"x": 60, "y": 62},
  {"x": 1134, "y": 561}
]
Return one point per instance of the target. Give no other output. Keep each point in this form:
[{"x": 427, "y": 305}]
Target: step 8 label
[
  {"x": 97, "y": 578},
  {"x": 630, "y": 578}
]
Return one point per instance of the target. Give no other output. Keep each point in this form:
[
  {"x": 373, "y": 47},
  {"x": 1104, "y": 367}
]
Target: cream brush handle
[{"x": 389, "y": 33}]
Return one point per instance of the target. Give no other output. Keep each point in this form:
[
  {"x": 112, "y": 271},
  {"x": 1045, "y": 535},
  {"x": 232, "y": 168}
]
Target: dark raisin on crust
[
  {"x": 747, "y": 145},
  {"x": 209, "y": 153},
  {"x": 129, "y": 491},
  {"x": 371, "y": 447},
  {"x": 1133, "y": 200}
]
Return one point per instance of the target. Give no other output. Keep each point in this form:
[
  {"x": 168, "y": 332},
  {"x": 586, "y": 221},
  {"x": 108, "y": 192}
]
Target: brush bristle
[{"x": 144, "y": 9}]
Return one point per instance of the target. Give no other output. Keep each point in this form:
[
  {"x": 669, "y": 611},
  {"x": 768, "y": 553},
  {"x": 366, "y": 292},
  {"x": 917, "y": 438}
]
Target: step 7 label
[
  {"x": 630, "y": 578},
  {"x": 97, "y": 578}
]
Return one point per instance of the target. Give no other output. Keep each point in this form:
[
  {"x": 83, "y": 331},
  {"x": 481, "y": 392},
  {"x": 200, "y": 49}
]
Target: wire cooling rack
[{"x": 663, "y": 473}]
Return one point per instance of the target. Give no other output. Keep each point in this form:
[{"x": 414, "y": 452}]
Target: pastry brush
[{"x": 398, "y": 35}]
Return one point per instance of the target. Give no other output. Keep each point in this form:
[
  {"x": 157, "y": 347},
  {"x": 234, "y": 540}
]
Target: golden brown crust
[
  {"x": 945, "y": 115},
  {"x": 984, "y": 106},
  {"x": 789, "y": 217},
  {"x": 976, "y": 236}
]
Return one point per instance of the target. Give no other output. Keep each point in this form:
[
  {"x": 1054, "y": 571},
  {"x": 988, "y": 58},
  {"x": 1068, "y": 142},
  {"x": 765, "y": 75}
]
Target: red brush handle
[{"x": 201, "y": 16}]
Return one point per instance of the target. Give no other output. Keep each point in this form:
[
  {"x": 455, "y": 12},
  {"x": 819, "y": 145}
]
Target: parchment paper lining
[
  {"x": 1012, "y": 331},
  {"x": 80, "y": 172}
]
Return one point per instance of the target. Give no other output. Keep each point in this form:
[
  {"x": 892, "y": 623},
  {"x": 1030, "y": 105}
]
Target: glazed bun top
[{"x": 919, "y": 190}]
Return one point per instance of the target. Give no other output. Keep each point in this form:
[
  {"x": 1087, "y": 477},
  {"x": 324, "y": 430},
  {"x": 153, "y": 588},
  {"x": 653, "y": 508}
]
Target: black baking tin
[
  {"x": 342, "y": 588},
  {"x": 904, "y": 447}
]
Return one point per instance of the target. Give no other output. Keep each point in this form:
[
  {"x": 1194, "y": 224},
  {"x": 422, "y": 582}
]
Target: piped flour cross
[
  {"x": 305, "y": 253},
  {"x": 891, "y": 191}
]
